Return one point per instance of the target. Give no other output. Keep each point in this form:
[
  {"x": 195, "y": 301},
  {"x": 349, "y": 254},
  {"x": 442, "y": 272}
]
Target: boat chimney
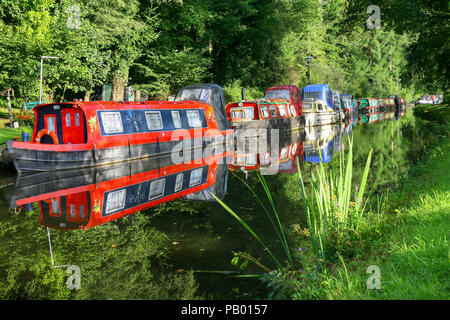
[{"x": 243, "y": 93}]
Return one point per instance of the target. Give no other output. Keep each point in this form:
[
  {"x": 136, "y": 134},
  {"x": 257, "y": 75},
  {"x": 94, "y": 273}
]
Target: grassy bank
[
  {"x": 10, "y": 133},
  {"x": 404, "y": 235},
  {"x": 407, "y": 241}
]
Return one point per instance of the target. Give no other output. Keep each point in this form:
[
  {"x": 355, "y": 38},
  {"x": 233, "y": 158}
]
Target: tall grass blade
[
  {"x": 364, "y": 181},
  {"x": 308, "y": 208},
  {"x": 246, "y": 226},
  {"x": 283, "y": 237},
  {"x": 261, "y": 204}
]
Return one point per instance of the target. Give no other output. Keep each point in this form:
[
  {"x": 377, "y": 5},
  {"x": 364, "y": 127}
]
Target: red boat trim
[{"x": 55, "y": 194}]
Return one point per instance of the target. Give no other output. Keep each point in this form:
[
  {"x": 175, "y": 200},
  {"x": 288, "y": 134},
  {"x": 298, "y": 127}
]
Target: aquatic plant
[{"x": 328, "y": 205}]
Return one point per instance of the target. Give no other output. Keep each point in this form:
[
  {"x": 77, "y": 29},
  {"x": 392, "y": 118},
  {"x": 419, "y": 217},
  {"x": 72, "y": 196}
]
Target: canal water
[{"x": 185, "y": 248}]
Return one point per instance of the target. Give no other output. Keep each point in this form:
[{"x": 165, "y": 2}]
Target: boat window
[
  {"x": 283, "y": 153},
  {"x": 157, "y": 189},
  {"x": 176, "y": 119},
  {"x": 72, "y": 211},
  {"x": 242, "y": 113},
  {"x": 112, "y": 122},
  {"x": 251, "y": 159},
  {"x": 295, "y": 97},
  {"x": 154, "y": 120},
  {"x": 316, "y": 95},
  {"x": 265, "y": 158},
  {"x": 51, "y": 123},
  {"x": 278, "y": 94},
  {"x": 307, "y": 106},
  {"x": 264, "y": 112},
  {"x": 217, "y": 99},
  {"x": 116, "y": 200},
  {"x": 77, "y": 119},
  {"x": 82, "y": 211},
  {"x": 329, "y": 97},
  {"x": 273, "y": 111},
  {"x": 194, "y": 118},
  {"x": 189, "y": 95},
  {"x": 55, "y": 207},
  {"x": 179, "y": 182},
  {"x": 282, "y": 109},
  {"x": 67, "y": 119},
  {"x": 196, "y": 177},
  {"x": 237, "y": 113}
]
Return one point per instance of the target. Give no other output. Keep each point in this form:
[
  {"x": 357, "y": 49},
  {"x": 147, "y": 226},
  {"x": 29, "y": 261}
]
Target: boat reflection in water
[
  {"x": 270, "y": 152},
  {"x": 321, "y": 142},
  {"x": 85, "y": 198},
  {"x": 310, "y": 144},
  {"x": 82, "y": 199}
]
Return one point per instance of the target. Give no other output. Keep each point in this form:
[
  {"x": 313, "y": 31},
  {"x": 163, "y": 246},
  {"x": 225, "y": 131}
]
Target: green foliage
[
  {"x": 233, "y": 92},
  {"x": 160, "y": 46}
]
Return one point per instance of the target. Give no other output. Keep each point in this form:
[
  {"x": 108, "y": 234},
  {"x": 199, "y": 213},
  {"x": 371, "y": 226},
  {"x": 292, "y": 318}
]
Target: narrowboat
[
  {"x": 381, "y": 109},
  {"x": 83, "y": 199},
  {"x": 80, "y": 134},
  {"x": 270, "y": 158},
  {"x": 281, "y": 108},
  {"x": 403, "y": 107},
  {"x": 318, "y": 107},
  {"x": 369, "y": 110},
  {"x": 337, "y": 105},
  {"x": 349, "y": 106},
  {"x": 387, "y": 108},
  {"x": 400, "y": 106}
]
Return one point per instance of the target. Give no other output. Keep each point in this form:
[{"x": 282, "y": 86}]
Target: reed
[{"x": 328, "y": 205}]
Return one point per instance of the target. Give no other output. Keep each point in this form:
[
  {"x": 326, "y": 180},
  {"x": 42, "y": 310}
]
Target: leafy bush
[{"x": 233, "y": 92}]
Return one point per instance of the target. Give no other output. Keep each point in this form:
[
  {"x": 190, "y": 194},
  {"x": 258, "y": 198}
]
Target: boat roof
[
  {"x": 316, "y": 87},
  {"x": 281, "y": 87},
  {"x": 324, "y": 89},
  {"x": 202, "y": 86},
  {"x": 111, "y": 105}
]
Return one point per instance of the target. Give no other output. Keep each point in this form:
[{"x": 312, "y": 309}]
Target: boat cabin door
[{"x": 73, "y": 126}]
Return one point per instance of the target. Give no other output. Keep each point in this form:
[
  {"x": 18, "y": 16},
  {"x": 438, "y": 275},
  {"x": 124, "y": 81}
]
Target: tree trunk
[
  {"x": 117, "y": 89},
  {"x": 48, "y": 97},
  {"x": 10, "y": 113},
  {"x": 64, "y": 91},
  {"x": 87, "y": 95}
]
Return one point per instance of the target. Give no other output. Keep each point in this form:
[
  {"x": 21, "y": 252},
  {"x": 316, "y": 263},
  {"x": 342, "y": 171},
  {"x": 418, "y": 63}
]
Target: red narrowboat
[
  {"x": 82, "y": 199},
  {"x": 281, "y": 108},
  {"x": 84, "y": 134}
]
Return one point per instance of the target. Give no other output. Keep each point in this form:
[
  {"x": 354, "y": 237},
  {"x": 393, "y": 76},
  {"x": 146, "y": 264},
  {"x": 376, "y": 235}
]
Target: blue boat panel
[
  {"x": 326, "y": 153},
  {"x": 134, "y": 121},
  {"x": 319, "y": 92}
]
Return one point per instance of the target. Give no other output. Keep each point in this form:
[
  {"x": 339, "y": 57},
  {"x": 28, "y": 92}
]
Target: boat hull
[
  {"x": 30, "y": 157},
  {"x": 282, "y": 124}
]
